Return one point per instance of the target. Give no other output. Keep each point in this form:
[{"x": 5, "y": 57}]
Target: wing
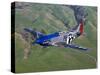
[
  {"x": 35, "y": 33},
  {"x": 76, "y": 47},
  {"x": 61, "y": 44}
]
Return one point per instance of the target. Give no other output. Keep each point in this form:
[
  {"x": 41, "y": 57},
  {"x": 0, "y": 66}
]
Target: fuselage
[
  {"x": 66, "y": 37},
  {"x": 44, "y": 39},
  {"x": 57, "y": 37}
]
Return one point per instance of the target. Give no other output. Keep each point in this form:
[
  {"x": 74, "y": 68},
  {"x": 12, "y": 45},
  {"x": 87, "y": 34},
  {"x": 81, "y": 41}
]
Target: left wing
[
  {"x": 76, "y": 47},
  {"x": 60, "y": 44}
]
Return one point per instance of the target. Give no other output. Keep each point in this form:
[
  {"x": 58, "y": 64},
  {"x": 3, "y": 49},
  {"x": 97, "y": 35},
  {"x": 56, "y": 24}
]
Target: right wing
[{"x": 35, "y": 33}]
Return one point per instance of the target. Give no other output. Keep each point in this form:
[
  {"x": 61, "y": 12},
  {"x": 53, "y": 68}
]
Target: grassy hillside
[{"x": 52, "y": 18}]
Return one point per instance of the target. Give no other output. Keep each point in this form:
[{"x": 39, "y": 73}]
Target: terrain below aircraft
[{"x": 58, "y": 39}]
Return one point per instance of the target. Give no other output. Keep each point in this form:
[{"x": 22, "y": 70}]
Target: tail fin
[{"x": 81, "y": 27}]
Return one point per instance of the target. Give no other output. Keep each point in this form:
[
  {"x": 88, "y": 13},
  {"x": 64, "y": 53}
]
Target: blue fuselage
[{"x": 45, "y": 38}]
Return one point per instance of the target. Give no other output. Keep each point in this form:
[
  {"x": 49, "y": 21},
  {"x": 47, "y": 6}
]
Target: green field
[{"x": 51, "y": 18}]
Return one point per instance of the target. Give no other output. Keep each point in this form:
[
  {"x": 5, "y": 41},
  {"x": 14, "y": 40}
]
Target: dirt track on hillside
[{"x": 26, "y": 44}]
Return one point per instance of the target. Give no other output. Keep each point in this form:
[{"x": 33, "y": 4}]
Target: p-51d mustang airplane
[{"x": 59, "y": 39}]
